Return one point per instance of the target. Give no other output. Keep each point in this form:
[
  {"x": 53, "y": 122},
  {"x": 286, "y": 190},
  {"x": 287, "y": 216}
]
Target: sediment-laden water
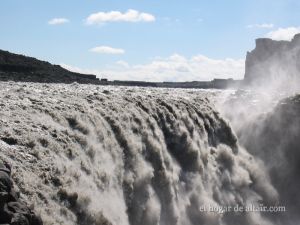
[{"x": 84, "y": 154}]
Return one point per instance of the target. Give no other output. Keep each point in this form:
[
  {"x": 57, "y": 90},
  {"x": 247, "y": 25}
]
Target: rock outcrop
[
  {"x": 15, "y": 67},
  {"x": 12, "y": 209},
  {"x": 275, "y": 63}
]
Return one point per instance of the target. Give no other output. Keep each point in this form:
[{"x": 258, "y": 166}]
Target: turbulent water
[{"x": 84, "y": 154}]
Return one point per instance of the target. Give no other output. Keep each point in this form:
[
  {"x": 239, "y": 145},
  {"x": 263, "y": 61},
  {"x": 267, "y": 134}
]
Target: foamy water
[{"x": 84, "y": 154}]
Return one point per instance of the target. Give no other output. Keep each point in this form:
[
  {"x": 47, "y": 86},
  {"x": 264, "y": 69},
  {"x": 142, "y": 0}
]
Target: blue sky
[{"x": 159, "y": 40}]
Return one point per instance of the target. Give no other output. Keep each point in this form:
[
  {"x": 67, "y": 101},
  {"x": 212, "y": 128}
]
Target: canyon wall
[{"x": 274, "y": 64}]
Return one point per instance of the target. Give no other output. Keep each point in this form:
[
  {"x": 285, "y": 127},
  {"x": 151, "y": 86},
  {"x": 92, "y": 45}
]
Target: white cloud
[
  {"x": 263, "y": 25},
  {"x": 174, "y": 68},
  {"x": 58, "y": 21},
  {"x": 285, "y": 34},
  {"x": 107, "y": 50},
  {"x": 116, "y": 16}
]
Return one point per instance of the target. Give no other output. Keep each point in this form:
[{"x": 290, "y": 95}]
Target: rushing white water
[
  {"x": 84, "y": 154},
  {"x": 268, "y": 125}
]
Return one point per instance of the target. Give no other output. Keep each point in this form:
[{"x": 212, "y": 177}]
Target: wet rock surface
[{"x": 12, "y": 210}]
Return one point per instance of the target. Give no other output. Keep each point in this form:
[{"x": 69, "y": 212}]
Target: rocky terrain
[
  {"x": 14, "y": 67},
  {"x": 12, "y": 209}
]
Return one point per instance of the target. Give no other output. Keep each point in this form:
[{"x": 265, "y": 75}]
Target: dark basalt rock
[
  {"x": 69, "y": 198},
  {"x": 12, "y": 210},
  {"x": 14, "y": 67}
]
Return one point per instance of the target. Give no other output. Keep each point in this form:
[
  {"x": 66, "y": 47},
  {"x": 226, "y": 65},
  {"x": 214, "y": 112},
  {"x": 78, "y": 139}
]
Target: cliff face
[
  {"x": 273, "y": 62},
  {"x": 15, "y": 67}
]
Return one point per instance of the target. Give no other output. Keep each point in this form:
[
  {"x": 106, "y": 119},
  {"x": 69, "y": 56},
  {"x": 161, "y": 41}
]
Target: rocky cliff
[
  {"x": 15, "y": 67},
  {"x": 274, "y": 62}
]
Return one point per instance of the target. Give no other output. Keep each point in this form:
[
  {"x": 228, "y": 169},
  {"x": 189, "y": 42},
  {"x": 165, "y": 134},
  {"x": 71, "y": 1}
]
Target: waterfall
[{"x": 85, "y": 154}]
